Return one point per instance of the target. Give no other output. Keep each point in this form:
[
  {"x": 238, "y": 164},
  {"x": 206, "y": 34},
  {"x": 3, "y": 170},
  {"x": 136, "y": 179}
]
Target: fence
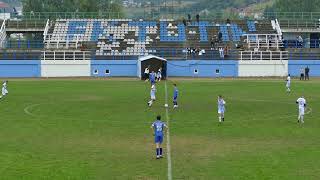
[
  {"x": 264, "y": 55},
  {"x": 150, "y": 13},
  {"x": 24, "y": 44},
  {"x": 165, "y": 53},
  {"x": 66, "y": 55},
  {"x": 24, "y": 24},
  {"x": 313, "y": 43},
  {"x": 299, "y": 24},
  {"x": 3, "y": 34}
]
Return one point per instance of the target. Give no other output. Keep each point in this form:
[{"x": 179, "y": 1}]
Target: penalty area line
[
  {"x": 168, "y": 135},
  {"x": 27, "y": 109}
]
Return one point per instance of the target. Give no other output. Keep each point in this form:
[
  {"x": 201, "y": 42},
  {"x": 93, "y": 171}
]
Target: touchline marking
[
  {"x": 26, "y": 109},
  {"x": 168, "y": 136}
]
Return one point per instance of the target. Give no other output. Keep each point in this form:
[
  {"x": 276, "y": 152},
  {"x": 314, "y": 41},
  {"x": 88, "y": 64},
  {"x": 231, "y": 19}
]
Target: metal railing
[
  {"x": 149, "y": 13},
  {"x": 263, "y": 41},
  {"x": 263, "y": 55},
  {"x": 299, "y": 24},
  {"x": 53, "y": 41},
  {"x": 24, "y": 44},
  {"x": 7, "y": 55},
  {"x": 167, "y": 54},
  {"x": 312, "y": 44},
  {"x": 46, "y": 29},
  {"x": 26, "y": 24},
  {"x": 175, "y": 54},
  {"x": 66, "y": 55},
  {"x": 3, "y": 34},
  {"x": 70, "y": 15},
  {"x": 292, "y": 15}
]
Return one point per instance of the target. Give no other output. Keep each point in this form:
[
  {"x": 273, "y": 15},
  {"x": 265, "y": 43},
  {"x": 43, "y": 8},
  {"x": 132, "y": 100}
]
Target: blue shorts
[
  {"x": 221, "y": 110},
  {"x": 158, "y": 139}
]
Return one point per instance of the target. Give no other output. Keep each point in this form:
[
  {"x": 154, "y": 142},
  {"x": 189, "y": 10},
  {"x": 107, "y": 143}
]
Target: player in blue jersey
[
  {"x": 221, "y": 108},
  {"x": 175, "y": 96},
  {"x": 158, "y": 128},
  {"x": 153, "y": 78}
]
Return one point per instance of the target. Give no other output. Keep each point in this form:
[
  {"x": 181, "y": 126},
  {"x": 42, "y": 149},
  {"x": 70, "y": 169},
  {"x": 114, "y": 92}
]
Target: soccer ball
[{"x": 166, "y": 105}]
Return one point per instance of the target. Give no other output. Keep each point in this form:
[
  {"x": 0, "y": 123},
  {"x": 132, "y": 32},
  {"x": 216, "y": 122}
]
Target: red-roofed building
[{"x": 4, "y": 5}]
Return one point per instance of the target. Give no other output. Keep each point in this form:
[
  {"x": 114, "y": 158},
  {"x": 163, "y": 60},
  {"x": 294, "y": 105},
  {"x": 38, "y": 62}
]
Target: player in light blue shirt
[
  {"x": 158, "y": 128},
  {"x": 152, "y": 95},
  {"x": 175, "y": 96},
  {"x": 221, "y": 108},
  {"x": 288, "y": 84},
  {"x": 4, "y": 90}
]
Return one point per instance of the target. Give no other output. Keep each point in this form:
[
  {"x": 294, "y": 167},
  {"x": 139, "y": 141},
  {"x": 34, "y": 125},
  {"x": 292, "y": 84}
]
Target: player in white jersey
[
  {"x": 159, "y": 75},
  {"x": 152, "y": 95},
  {"x": 302, "y": 103},
  {"x": 288, "y": 83},
  {"x": 4, "y": 89},
  {"x": 221, "y": 108}
]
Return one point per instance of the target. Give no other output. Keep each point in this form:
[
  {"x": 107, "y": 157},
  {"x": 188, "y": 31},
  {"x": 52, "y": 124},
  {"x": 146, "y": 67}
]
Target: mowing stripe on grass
[{"x": 168, "y": 135}]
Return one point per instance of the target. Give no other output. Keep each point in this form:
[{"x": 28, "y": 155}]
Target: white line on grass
[
  {"x": 168, "y": 136},
  {"x": 27, "y": 109}
]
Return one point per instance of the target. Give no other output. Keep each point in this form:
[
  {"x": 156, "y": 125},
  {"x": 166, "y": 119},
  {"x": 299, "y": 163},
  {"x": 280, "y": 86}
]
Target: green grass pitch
[{"x": 100, "y": 129}]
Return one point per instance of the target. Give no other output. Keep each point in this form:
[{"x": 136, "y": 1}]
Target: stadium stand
[{"x": 168, "y": 38}]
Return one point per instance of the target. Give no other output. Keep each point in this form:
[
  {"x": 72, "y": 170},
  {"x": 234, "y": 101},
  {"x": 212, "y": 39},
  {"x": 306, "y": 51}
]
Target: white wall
[
  {"x": 263, "y": 68},
  {"x": 50, "y": 68}
]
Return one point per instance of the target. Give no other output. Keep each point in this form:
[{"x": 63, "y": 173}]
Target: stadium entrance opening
[{"x": 153, "y": 63}]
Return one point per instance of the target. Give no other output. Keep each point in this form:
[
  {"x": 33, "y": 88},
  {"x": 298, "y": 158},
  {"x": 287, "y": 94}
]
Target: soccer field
[{"x": 100, "y": 129}]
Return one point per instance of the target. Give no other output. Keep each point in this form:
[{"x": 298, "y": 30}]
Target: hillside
[{"x": 209, "y": 7}]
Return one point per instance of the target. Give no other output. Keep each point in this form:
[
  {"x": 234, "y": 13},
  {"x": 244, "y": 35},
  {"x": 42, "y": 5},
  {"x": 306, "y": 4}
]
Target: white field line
[
  {"x": 27, "y": 109},
  {"x": 168, "y": 135}
]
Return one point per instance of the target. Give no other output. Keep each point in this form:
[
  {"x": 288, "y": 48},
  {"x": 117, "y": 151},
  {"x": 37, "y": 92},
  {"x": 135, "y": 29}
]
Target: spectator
[
  {"x": 189, "y": 18},
  {"x": 189, "y": 50},
  {"x": 302, "y": 71},
  {"x": 184, "y": 22},
  {"x": 212, "y": 44},
  {"x": 198, "y": 18},
  {"x": 226, "y": 51},
  {"x": 220, "y": 37},
  {"x": 307, "y": 70},
  {"x": 300, "y": 41},
  {"x": 194, "y": 50},
  {"x": 221, "y": 53},
  {"x": 228, "y": 21}
]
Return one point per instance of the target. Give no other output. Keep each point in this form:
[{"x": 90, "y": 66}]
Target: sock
[
  {"x": 158, "y": 151},
  {"x": 301, "y": 119},
  {"x": 219, "y": 118}
]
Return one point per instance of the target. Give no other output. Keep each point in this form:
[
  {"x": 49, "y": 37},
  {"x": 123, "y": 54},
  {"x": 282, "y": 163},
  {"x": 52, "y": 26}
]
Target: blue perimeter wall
[
  {"x": 296, "y": 65},
  {"x": 128, "y": 68},
  {"x": 117, "y": 68},
  {"x": 20, "y": 68},
  {"x": 205, "y": 68}
]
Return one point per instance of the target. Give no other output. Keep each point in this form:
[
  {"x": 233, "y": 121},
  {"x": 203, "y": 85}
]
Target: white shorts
[
  {"x": 153, "y": 97},
  {"x": 4, "y": 91},
  {"x": 301, "y": 111},
  {"x": 288, "y": 85}
]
